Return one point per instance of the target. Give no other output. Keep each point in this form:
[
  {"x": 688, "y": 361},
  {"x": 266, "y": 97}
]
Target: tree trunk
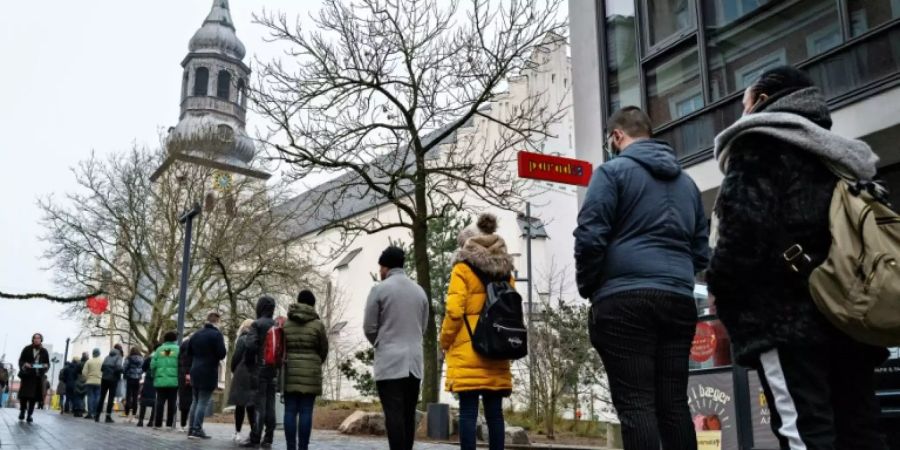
[{"x": 429, "y": 343}]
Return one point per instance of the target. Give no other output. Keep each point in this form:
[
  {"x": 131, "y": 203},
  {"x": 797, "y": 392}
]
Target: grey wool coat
[{"x": 395, "y": 318}]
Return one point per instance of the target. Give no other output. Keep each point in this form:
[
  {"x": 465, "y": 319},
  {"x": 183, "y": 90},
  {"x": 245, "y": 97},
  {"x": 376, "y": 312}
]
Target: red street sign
[{"x": 554, "y": 168}]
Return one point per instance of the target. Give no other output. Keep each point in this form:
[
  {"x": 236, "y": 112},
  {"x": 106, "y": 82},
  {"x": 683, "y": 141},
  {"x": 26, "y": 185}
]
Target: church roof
[{"x": 217, "y": 34}]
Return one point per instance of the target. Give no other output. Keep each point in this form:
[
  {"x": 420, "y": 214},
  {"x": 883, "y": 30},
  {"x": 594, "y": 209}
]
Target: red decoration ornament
[
  {"x": 97, "y": 305},
  {"x": 704, "y": 344}
]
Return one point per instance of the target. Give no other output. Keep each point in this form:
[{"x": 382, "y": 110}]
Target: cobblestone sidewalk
[{"x": 52, "y": 431}]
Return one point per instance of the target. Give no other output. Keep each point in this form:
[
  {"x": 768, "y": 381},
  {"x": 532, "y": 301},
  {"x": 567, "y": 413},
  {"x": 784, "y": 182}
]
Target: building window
[
  {"x": 673, "y": 87},
  {"x": 201, "y": 81},
  {"x": 668, "y": 20},
  {"x": 241, "y": 92},
  {"x": 788, "y": 31},
  {"x": 745, "y": 76},
  {"x": 347, "y": 259},
  {"x": 223, "y": 82},
  {"x": 868, "y": 14},
  {"x": 621, "y": 56}
]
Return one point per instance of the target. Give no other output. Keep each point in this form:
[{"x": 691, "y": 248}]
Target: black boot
[
  {"x": 22, "y": 415},
  {"x": 109, "y": 419}
]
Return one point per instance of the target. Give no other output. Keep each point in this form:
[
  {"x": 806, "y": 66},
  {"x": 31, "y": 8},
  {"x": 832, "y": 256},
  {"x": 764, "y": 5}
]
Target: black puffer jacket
[{"x": 772, "y": 188}]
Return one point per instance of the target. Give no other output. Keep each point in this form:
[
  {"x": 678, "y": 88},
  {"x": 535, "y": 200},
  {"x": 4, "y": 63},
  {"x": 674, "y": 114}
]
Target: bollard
[{"x": 438, "y": 421}]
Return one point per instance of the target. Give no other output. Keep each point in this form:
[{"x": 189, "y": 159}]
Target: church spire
[{"x": 220, "y": 14}]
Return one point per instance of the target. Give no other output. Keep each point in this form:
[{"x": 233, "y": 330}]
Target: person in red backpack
[{"x": 261, "y": 375}]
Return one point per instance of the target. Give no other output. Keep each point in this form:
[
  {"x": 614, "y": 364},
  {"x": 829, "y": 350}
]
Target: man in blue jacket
[
  {"x": 207, "y": 349},
  {"x": 642, "y": 236}
]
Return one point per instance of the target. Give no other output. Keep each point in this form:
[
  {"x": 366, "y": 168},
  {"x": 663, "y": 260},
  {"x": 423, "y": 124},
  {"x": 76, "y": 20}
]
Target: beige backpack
[{"x": 857, "y": 287}]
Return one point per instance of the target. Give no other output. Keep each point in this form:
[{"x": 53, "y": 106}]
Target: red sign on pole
[{"x": 554, "y": 168}]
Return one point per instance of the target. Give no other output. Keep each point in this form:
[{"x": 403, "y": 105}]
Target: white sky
[{"x": 79, "y": 76}]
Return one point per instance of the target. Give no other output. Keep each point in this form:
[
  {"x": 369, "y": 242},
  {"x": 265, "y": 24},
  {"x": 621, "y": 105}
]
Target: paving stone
[{"x": 52, "y": 431}]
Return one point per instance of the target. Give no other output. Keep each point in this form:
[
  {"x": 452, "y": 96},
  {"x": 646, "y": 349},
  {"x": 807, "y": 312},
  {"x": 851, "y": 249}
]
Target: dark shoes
[
  {"x": 109, "y": 419},
  {"x": 140, "y": 424},
  {"x": 198, "y": 435},
  {"x": 22, "y": 415},
  {"x": 29, "y": 420},
  {"x": 249, "y": 444}
]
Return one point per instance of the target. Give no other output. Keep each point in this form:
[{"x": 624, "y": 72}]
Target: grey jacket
[{"x": 395, "y": 319}]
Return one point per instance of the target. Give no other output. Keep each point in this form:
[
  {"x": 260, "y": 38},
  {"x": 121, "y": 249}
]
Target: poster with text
[
  {"x": 763, "y": 437},
  {"x": 711, "y": 400}
]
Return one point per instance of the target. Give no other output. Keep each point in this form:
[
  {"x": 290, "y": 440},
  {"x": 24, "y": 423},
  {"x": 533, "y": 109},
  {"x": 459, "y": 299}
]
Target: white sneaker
[
  {"x": 237, "y": 438},
  {"x": 182, "y": 430}
]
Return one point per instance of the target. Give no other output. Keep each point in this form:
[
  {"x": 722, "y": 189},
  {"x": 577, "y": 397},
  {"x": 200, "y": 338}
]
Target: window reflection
[
  {"x": 745, "y": 38},
  {"x": 669, "y": 19},
  {"x": 858, "y": 65},
  {"x": 624, "y": 87},
  {"x": 673, "y": 87},
  {"x": 868, "y": 14}
]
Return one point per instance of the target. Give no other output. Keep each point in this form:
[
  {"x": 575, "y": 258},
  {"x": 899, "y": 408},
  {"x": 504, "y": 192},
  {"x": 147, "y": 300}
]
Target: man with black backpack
[
  {"x": 262, "y": 375},
  {"x": 395, "y": 319},
  {"x": 642, "y": 236}
]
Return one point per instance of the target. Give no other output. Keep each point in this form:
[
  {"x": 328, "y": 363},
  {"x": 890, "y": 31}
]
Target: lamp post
[{"x": 187, "y": 218}]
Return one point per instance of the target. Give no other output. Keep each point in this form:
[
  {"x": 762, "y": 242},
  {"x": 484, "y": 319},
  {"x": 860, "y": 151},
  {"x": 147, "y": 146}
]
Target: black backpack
[{"x": 500, "y": 332}]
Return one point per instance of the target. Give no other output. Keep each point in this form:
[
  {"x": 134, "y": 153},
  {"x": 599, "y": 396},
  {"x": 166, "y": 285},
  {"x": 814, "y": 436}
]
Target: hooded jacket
[
  {"x": 776, "y": 184},
  {"x": 254, "y": 345},
  {"x": 306, "y": 348},
  {"x": 92, "y": 371},
  {"x": 134, "y": 367},
  {"x": 641, "y": 226},
  {"x": 466, "y": 369},
  {"x": 112, "y": 366},
  {"x": 243, "y": 388},
  {"x": 165, "y": 366}
]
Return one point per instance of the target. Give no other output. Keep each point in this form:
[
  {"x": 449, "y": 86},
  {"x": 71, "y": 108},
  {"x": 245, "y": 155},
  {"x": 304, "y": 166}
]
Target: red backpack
[{"x": 273, "y": 351}]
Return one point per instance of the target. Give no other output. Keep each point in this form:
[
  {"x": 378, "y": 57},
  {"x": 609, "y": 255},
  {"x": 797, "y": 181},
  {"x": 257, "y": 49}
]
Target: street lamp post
[{"x": 188, "y": 220}]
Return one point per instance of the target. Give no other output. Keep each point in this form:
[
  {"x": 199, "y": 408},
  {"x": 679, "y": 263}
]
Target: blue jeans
[
  {"x": 493, "y": 416},
  {"x": 294, "y": 405},
  {"x": 93, "y": 392},
  {"x": 202, "y": 398}
]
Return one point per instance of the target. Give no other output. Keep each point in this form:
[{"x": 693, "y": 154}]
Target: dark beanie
[
  {"x": 306, "y": 297},
  {"x": 392, "y": 257}
]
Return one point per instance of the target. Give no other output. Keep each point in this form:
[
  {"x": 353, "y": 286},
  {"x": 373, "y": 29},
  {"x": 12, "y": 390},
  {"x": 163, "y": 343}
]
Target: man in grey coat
[{"x": 395, "y": 320}]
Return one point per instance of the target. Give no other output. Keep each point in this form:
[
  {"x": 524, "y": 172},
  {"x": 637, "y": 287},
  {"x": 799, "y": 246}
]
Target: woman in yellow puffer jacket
[{"x": 468, "y": 374}]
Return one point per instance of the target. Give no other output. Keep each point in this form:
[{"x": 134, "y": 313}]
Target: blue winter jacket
[{"x": 641, "y": 226}]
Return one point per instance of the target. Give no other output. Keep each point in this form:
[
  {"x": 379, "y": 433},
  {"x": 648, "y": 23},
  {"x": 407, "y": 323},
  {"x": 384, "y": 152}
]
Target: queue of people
[{"x": 642, "y": 238}]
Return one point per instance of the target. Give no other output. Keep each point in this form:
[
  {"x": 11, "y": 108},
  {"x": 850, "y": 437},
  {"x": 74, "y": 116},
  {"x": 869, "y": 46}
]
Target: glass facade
[
  {"x": 742, "y": 47},
  {"x": 686, "y": 62}
]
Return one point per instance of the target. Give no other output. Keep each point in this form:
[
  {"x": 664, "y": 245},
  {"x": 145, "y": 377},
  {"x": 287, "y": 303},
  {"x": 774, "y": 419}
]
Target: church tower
[{"x": 210, "y": 129}]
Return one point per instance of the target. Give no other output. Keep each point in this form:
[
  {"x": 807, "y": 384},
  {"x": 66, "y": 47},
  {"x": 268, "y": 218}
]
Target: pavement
[{"x": 53, "y": 431}]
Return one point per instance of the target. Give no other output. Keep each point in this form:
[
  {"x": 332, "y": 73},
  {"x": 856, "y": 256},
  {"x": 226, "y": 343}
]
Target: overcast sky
[{"x": 82, "y": 76}]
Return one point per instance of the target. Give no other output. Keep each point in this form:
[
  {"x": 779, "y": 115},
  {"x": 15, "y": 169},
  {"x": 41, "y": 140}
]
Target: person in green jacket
[
  {"x": 306, "y": 348},
  {"x": 165, "y": 379}
]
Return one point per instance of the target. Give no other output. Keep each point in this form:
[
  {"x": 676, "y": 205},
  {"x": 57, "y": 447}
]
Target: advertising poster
[
  {"x": 763, "y": 438},
  {"x": 711, "y": 400}
]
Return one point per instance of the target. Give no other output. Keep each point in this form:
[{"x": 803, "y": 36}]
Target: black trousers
[
  {"x": 265, "y": 412},
  {"x": 143, "y": 412},
  {"x": 398, "y": 400},
  {"x": 165, "y": 397},
  {"x": 644, "y": 339},
  {"x": 241, "y": 412},
  {"x": 132, "y": 388},
  {"x": 822, "y": 397},
  {"x": 107, "y": 391}
]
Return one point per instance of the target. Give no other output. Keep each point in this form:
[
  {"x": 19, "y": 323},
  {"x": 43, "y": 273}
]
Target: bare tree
[
  {"x": 121, "y": 232},
  {"x": 408, "y": 101}
]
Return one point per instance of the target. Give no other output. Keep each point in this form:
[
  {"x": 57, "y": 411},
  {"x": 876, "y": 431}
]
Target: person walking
[
  {"x": 133, "y": 370},
  {"x": 185, "y": 392},
  {"x": 34, "y": 362},
  {"x": 93, "y": 377},
  {"x": 306, "y": 349},
  {"x": 482, "y": 255},
  {"x": 243, "y": 389},
  {"x": 165, "y": 379},
  {"x": 207, "y": 349},
  {"x": 778, "y": 188},
  {"x": 263, "y": 429},
  {"x": 148, "y": 392},
  {"x": 642, "y": 236},
  {"x": 112, "y": 373},
  {"x": 395, "y": 318}
]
